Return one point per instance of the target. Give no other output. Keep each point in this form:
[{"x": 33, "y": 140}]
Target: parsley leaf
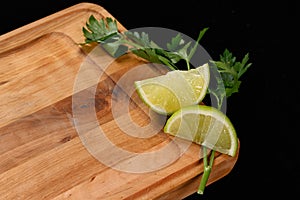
[{"x": 99, "y": 31}]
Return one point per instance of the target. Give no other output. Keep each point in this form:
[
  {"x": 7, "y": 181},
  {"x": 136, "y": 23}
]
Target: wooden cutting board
[{"x": 59, "y": 135}]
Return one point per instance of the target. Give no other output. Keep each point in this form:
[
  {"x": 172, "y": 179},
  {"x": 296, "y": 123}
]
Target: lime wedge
[
  {"x": 204, "y": 125},
  {"x": 168, "y": 93}
]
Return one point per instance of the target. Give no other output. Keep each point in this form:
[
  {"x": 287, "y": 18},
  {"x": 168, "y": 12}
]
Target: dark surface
[{"x": 266, "y": 110}]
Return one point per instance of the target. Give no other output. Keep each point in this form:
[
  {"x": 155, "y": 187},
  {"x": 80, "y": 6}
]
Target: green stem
[
  {"x": 193, "y": 50},
  {"x": 133, "y": 44},
  {"x": 188, "y": 64},
  {"x": 207, "y": 169}
]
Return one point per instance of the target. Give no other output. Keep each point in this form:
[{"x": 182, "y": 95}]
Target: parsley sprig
[
  {"x": 105, "y": 31},
  {"x": 227, "y": 71}
]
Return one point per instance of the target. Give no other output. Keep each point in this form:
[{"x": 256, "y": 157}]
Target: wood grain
[{"x": 54, "y": 97}]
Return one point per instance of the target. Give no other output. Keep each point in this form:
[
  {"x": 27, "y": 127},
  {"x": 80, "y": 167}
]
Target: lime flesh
[
  {"x": 204, "y": 125},
  {"x": 168, "y": 93}
]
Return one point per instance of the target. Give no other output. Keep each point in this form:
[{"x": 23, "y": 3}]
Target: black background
[{"x": 264, "y": 112}]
